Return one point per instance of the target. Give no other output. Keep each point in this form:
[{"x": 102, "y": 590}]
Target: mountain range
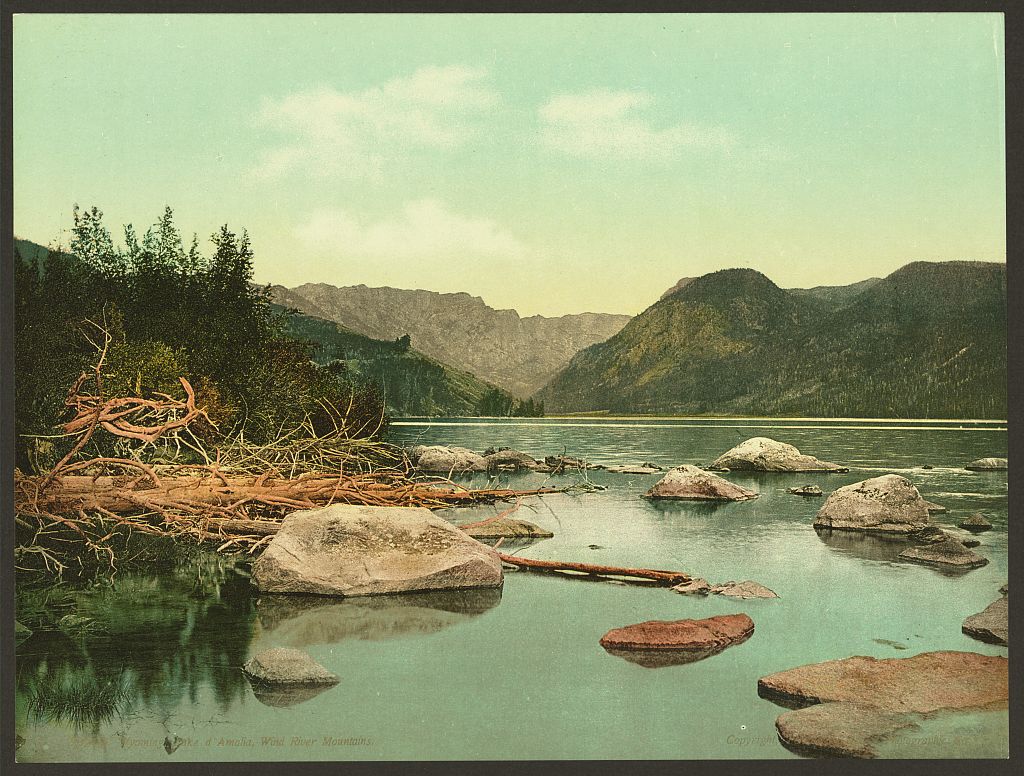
[
  {"x": 929, "y": 340},
  {"x": 520, "y": 355}
]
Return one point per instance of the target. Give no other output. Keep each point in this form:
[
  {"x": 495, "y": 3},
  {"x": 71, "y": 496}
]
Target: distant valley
[{"x": 517, "y": 354}]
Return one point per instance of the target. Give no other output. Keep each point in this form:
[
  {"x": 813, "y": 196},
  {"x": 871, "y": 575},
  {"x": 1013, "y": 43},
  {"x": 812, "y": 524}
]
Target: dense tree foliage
[{"x": 170, "y": 311}]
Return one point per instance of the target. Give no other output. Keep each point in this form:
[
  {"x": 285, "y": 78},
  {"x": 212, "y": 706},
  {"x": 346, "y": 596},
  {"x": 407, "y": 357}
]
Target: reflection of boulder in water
[
  {"x": 288, "y": 695},
  {"x": 688, "y": 508},
  {"x": 659, "y": 658},
  {"x": 299, "y": 621},
  {"x": 864, "y": 545}
]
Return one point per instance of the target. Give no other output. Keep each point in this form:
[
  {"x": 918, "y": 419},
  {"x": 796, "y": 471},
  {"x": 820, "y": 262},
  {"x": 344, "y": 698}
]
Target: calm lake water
[{"x": 519, "y": 674}]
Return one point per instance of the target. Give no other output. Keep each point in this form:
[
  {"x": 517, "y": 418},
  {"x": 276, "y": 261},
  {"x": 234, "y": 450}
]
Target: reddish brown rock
[
  {"x": 925, "y": 683},
  {"x": 660, "y": 642}
]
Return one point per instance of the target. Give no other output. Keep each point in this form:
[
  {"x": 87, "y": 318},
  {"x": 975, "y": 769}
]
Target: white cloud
[
  {"x": 353, "y": 134},
  {"x": 613, "y": 124},
  {"x": 423, "y": 229}
]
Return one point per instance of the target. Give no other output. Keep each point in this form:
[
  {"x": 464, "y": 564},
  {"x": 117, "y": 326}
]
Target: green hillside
[
  {"x": 412, "y": 383},
  {"x": 927, "y": 341}
]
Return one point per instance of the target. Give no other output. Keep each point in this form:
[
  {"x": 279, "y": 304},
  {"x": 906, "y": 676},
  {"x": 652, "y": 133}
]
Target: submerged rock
[
  {"x": 990, "y": 625},
  {"x": 805, "y": 490},
  {"x": 643, "y": 468},
  {"x": 839, "y": 729},
  {"x": 886, "y": 504},
  {"x": 658, "y": 643},
  {"x": 351, "y": 550},
  {"x": 283, "y": 666},
  {"x": 508, "y": 528},
  {"x": 970, "y": 542},
  {"x": 987, "y": 465},
  {"x": 693, "y": 587},
  {"x": 925, "y": 683},
  {"x": 440, "y": 459},
  {"x": 950, "y": 552},
  {"x": 746, "y": 589},
  {"x": 509, "y": 459},
  {"x": 691, "y": 483},
  {"x": 976, "y": 523},
  {"x": 767, "y": 455}
]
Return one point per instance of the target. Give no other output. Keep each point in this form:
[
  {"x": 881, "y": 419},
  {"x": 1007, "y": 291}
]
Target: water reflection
[
  {"x": 864, "y": 545},
  {"x": 301, "y": 621}
]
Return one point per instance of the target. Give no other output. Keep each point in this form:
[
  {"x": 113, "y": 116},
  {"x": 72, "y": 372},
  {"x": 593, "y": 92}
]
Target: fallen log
[{"x": 664, "y": 578}]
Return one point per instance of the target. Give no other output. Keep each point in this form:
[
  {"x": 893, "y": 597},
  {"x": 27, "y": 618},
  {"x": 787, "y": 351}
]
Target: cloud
[
  {"x": 354, "y": 134},
  {"x": 423, "y": 229},
  {"x": 613, "y": 124}
]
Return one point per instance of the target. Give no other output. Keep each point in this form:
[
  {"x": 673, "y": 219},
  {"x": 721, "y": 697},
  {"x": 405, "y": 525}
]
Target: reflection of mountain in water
[{"x": 299, "y": 621}]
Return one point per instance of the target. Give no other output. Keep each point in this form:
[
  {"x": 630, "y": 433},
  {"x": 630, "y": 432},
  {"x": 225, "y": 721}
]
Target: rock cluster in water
[
  {"x": 690, "y": 483},
  {"x": 351, "y": 550},
  {"x": 767, "y": 455},
  {"x": 658, "y": 642},
  {"x": 864, "y": 699},
  {"x": 805, "y": 490},
  {"x": 948, "y": 552},
  {"x": 888, "y": 504}
]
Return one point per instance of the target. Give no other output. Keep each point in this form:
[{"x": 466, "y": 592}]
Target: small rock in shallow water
[
  {"x": 1005, "y": 588},
  {"x": 950, "y": 552},
  {"x": 970, "y": 542},
  {"x": 987, "y": 464},
  {"x": 659, "y": 643},
  {"x": 285, "y": 666},
  {"x": 934, "y": 509},
  {"x": 805, "y": 490},
  {"x": 838, "y": 729},
  {"x": 633, "y": 469},
  {"x": 746, "y": 589},
  {"x": 508, "y": 528},
  {"x": 890, "y": 643},
  {"x": 689, "y": 483},
  {"x": 976, "y": 523},
  {"x": 991, "y": 624},
  {"x": 693, "y": 587}
]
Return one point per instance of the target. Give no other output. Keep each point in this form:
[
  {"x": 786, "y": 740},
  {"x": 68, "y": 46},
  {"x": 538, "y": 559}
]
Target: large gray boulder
[
  {"x": 888, "y": 504},
  {"x": 767, "y": 455},
  {"x": 442, "y": 460},
  {"x": 987, "y": 465},
  {"x": 690, "y": 483},
  {"x": 990, "y": 625},
  {"x": 348, "y": 550}
]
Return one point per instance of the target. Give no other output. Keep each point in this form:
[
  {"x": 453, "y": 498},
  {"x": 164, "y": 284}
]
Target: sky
[{"x": 552, "y": 164}]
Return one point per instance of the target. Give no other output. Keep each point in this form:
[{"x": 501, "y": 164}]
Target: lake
[{"x": 519, "y": 674}]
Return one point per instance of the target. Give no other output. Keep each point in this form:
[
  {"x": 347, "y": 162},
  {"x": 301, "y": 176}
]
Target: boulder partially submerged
[
  {"x": 991, "y": 624},
  {"x": 284, "y": 677},
  {"x": 443, "y": 460},
  {"x": 634, "y": 468},
  {"x": 976, "y": 523},
  {"x": 349, "y": 550},
  {"x": 510, "y": 460},
  {"x": 507, "y": 528},
  {"x": 658, "y": 642},
  {"x": 987, "y": 465},
  {"x": 805, "y": 490},
  {"x": 767, "y": 455},
  {"x": 839, "y": 729},
  {"x": 889, "y": 504},
  {"x": 743, "y": 590},
  {"x": 950, "y": 553},
  {"x": 690, "y": 483},
  {"x": 922, "y": 684}
]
